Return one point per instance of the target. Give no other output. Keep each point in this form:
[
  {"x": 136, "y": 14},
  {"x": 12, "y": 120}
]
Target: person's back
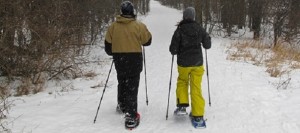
[
  {"x": 193, "y": 37},
  {"x": 124, "y": 40},
  {"x": 187, "y": 42},
  {"x": 127, "y": 35}
]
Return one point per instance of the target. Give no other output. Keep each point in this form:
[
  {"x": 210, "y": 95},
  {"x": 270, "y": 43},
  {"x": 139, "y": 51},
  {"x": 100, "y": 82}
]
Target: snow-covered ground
[{"x": 245, "y": 99}]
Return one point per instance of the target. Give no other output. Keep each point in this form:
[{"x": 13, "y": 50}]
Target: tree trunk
[
  {"x": 198, "y": 8},
  {"x": 255, "y": 11},
  {"x": 207, "y": 13}
]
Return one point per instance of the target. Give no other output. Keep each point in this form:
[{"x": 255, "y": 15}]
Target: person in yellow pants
[
  {"x": 190, "y": 76},
  {"x": 187, "y": 42}
]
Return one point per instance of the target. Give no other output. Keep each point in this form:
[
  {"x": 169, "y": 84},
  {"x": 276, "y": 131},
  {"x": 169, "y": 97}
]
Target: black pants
[
  {"x": 128, "y": 67},
  {"x": 128, "y": 94}
]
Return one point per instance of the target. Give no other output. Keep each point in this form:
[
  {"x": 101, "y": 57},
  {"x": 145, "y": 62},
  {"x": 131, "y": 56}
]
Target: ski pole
[
  {"x": 144, "y": 54},
  {"x": 103, "y": 90},
  {"x": 170, "y": 87},
  {"x": 207, "y": 78}
]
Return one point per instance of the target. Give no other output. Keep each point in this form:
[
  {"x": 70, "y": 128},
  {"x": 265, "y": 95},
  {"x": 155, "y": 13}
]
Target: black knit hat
[{"x": 127, "y": 8}]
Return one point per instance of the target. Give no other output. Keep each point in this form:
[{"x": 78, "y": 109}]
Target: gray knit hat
[{"x": 189, "y": 13}]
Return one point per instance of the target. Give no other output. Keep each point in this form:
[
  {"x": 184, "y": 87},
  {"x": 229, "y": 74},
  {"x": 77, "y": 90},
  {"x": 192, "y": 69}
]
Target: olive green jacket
[{"x": 126, "y": 35}]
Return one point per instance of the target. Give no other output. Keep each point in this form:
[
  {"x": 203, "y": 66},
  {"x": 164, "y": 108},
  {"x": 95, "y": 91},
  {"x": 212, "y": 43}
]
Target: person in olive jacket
[
  {"x": 124, "y": 40},
  {"x": 186, "y": 43}
]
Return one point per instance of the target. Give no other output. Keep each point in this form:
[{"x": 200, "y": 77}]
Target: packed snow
[{"x": 244, "y": 98}]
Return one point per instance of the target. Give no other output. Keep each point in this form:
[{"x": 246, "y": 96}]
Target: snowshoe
[
  {"x": 198, "y": 122},
  {"x": 179, "y": 111},
  {"x": 132, "y": 122}
]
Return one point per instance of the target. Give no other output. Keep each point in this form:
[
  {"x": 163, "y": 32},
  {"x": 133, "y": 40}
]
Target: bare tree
[
  {"x": 39, "y": 37},
  {"x": 293, "y": 25},
  {"x": 278, "y": 17},
  {"x": 255, "y": 15},
  {"x": 199, "y": 11}
]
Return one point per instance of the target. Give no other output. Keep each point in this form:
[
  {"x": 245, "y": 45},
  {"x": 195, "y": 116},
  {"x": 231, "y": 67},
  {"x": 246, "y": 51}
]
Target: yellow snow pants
[{"x": 190, "y": 77}]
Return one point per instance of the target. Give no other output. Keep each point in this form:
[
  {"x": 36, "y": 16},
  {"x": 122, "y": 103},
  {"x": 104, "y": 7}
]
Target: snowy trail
[{"x": 243, "y": 99}]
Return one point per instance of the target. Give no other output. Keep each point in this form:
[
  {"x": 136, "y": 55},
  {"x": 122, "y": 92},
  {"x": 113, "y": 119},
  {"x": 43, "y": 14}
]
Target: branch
[{"x": 60, "y": 72}]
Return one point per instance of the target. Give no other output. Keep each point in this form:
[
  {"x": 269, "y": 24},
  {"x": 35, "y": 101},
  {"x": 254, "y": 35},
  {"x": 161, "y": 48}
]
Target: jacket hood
[
  {"x": 188, "y": 27},
  {"x": 124, "y": 19}
]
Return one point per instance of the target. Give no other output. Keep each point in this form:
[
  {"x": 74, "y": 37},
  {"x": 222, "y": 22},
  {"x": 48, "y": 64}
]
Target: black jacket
[{"x": 187, "y": 41}]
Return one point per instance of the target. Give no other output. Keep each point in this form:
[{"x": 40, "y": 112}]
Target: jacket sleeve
[
  {"x": 108, "y": 48},
  {"x": 146, "y": 37},
  {"x": 108, "y": 41},
  {"x": 175, "y": 42},
  {"x": 206, "y": 41}
]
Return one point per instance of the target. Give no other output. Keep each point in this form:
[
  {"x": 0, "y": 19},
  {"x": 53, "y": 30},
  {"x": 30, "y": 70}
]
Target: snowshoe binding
[
  {"x": 132, "y": 122},
  {"x": 198, "y": 122},
  {"x": 180, "y": 111}
]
